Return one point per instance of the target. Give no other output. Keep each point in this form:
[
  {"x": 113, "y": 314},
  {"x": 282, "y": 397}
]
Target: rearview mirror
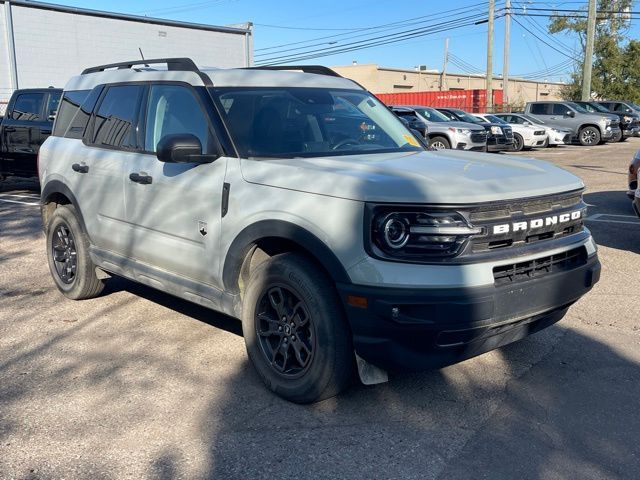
[{"x": 182, "y": 148}]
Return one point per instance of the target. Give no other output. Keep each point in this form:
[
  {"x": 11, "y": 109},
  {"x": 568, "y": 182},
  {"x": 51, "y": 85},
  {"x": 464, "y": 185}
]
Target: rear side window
[
  {"x": 69, "y": 106},
  {"x": 540, "y": 109},
  {"x": 115, "y": 119},
  {"x": 28, "y": 106}
]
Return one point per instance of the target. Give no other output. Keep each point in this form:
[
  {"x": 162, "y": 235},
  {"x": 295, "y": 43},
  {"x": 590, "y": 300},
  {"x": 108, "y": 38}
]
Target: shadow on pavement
[{"x": 621, "y": 236}]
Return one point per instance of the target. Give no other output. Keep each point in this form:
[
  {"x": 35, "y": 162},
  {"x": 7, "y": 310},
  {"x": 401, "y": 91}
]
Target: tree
[{"x": 611, "y": 76}]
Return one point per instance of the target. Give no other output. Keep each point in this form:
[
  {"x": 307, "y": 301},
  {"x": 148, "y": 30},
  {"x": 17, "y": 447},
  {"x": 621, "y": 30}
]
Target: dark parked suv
[
  {"x": 499, "y": 135},
  {"x": 629, "y": 121}
]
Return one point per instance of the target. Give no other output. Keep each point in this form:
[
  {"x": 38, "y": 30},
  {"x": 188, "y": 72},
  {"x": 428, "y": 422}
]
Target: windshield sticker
[{"x": 411, "y": 141}]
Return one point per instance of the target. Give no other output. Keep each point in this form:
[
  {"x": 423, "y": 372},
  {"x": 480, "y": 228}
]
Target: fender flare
[
  {"x": 248, "y": 237},
  {"x": 56, "y": 186}
]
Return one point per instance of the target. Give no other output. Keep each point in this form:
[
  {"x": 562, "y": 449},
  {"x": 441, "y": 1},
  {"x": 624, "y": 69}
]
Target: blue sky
[{"x": 335, "y": 23}]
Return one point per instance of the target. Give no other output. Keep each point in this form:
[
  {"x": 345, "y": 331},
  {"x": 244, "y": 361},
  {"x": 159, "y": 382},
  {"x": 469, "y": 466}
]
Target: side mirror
[
  {"x": 571, "y": 113},
  {"x": 527, "y": 122},
  {"x": 182, "y": 148}
]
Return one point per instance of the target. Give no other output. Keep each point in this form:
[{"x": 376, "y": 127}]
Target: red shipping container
[{"x": 470, "y": 100}]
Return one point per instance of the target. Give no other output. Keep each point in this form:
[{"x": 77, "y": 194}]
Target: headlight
[
  {"x": 626, "y": 119},
  {"x": 415, "y": 234},
  {"x": 606, "y": 120},
  {"x": 496, "y": 130},
  {"x": 464, "y": 131}
]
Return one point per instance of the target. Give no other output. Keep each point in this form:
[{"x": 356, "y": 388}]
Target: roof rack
[
  {"x": 173, "y": 64},
  {"x": 317, "y": 69}
]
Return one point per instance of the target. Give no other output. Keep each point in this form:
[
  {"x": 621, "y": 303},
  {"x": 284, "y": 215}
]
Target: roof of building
[{"x": 127, "y": 17}]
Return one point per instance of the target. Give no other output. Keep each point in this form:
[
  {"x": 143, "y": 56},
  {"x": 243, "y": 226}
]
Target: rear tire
[
  {"x": 439, "y": 143},
  {"x": 589, "y": 136},
  {"x": 295, "y": 330},
  {"x": 72, "y": 269}
]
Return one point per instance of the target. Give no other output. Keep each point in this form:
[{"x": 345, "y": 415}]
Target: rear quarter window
[{"x": 67, "y": 110}]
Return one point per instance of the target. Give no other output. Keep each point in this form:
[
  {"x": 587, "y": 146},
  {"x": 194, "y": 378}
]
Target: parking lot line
[{"x": 598, "y": 217}]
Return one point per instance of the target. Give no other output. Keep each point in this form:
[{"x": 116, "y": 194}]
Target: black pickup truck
[{"x": 26, "y": 124}]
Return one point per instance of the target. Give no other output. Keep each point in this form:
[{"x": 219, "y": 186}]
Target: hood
[
  {"x": 454, "y": 124},
  {"x": 436, "y": 177}
]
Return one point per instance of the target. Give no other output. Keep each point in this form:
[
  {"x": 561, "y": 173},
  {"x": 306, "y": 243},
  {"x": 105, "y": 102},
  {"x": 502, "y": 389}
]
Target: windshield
[
  {"x": 578, "y": 108},
  {"x": 494, "y": 119},
  {"x": 533, "y": 119},
  {"x": 287, "y": 122},
  {"x": 634, "y": 106},
  {"x": 432, "y": 115},
  {"x": 466, "y": 117}
]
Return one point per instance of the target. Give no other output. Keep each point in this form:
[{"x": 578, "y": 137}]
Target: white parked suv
[
  {"x": 298, "y": 203},
  {"x": 556, "y": 136},
  {"x": 525, "y": 137}
]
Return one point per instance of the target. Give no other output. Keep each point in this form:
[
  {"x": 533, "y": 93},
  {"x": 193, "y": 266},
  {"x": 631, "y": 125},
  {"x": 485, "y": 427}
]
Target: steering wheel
[{"x": 345, "y": 142}]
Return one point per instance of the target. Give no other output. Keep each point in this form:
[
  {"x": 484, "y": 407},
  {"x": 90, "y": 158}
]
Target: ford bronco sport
[{"x": 298, "y": 203}]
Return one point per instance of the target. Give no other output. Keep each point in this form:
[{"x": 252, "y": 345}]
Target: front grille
[
  {"x": 479, "y": 137},
  {"x": 540, "y": 267},
  {"x": 508, "y": 132},
  {"x": 491, "y": 217}
]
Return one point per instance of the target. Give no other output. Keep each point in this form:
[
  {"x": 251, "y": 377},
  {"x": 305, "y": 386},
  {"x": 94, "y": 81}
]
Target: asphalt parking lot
[{"x": 137, "y": 384}]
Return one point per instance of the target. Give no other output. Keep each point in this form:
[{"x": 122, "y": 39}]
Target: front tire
[
  {"x": 518, "y": 142},
  {"x": 589, "y": 136},
  {"x": 295, "y": 330},
  {"x": 72, "y": 269},
  {"x": 439, "y": 143}
]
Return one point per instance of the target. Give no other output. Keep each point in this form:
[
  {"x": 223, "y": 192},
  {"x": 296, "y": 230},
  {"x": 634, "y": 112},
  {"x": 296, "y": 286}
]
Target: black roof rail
[
  {"x": 183, "y": 64},
  {"x": 317, "y": 69}
]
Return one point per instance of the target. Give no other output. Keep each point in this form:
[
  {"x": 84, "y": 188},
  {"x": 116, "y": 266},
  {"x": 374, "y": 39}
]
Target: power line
[
  {"x": 376, "y": 41},
  {"x": 543, "y": 41},
  {"x": 382, "y": 27}
]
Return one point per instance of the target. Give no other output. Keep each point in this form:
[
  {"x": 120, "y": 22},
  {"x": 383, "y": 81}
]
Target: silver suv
[
  {"x": 587, "y": 128},
  {"x": 442, "y": 132},
  {"x": 298, "y": 203}
]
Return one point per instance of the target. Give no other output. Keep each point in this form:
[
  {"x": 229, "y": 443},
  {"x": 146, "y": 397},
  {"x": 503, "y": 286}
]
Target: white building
[{"x": 44, "y": 45}]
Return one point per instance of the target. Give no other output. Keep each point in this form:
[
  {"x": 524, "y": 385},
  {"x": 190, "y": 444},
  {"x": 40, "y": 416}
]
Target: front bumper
[
  {"x": 417, "y": 329},
  {"x": 631, "y": 132},
  {"x": 609, "y": 133}
]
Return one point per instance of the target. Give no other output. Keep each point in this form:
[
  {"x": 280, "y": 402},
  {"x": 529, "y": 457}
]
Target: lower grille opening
[{"x": 540, "y": 267}]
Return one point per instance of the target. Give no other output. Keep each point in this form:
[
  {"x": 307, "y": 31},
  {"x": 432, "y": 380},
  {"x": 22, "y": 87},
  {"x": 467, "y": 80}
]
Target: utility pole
[
  {"x": 443, "y": 76},
  {"x": 505, "y": 61},
  {"x": 490, "y": 56},
  {"x": 588, "y": 54}
]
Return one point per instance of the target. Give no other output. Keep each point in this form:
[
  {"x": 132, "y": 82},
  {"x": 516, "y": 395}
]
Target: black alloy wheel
[
  {"x": 64, "y": 253},
  {"x": 518, "y": 142},
  {"x": 286, "y": 332}
]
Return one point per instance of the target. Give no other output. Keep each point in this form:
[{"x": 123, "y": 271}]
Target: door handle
[
  {"x": 141, "y": 178},
  {"x": 9, "y": 129},
  {"x": 46, "y": 132},
  {"x": 80, "y": 168}
]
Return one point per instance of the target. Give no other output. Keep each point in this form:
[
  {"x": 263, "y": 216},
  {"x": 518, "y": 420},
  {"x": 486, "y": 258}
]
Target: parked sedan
[
  {"x": 556, "y": 136},
  {"x": 441, "y": 132},
  {"x": 524, "y": 136},
  {"x": 499, "y": 135}
]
